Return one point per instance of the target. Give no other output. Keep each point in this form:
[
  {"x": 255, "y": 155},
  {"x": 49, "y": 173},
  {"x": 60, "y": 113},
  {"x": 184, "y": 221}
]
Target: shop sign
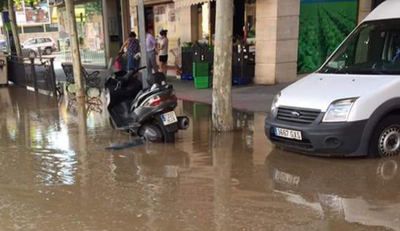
[{"x": 37, "y": 13}]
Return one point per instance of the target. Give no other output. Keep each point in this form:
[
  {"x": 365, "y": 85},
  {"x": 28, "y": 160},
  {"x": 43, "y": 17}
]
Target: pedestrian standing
[
  {"x": 163, "y": 51},
  {"x": 132, "y": 47},
  {"x": 151, "y": 52}
]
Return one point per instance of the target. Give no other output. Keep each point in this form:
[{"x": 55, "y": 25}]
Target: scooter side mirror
[{"x": 158, "y": 78}]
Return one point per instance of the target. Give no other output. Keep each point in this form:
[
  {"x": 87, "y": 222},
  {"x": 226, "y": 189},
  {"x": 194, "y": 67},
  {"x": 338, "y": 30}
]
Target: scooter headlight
[
  {"x": 108, "y": 97},
  {"x": 339, "y": 110}
]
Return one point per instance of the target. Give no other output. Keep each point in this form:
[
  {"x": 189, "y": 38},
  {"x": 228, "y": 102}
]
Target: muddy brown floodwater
[{"x": 55, "y": 174}]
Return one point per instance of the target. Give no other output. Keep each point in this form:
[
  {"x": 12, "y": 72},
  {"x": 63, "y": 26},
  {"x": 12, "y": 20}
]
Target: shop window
[
  {"x": 51, "y": 27},
  {"x": 33, "y": 29},
  {"x": 323, "y": 26},
  {"x": 89, "y": 23}
]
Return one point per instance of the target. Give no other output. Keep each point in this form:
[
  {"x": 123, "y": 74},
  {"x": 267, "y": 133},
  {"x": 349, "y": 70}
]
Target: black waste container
[
  {"x": 243, "y": 65},
  {"x": 200, "y": 52},
  {"x": 187, "y": 63}
]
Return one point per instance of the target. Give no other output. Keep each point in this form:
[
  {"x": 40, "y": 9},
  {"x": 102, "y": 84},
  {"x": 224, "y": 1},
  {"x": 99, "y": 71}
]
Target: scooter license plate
[{"x": 169, "y": 118}]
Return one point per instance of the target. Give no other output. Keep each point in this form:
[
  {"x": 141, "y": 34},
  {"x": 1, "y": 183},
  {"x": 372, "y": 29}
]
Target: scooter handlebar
[{"x": 140, "y": 68}]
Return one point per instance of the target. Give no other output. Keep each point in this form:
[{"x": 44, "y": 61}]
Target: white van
[{"x": 351, "y": 105}]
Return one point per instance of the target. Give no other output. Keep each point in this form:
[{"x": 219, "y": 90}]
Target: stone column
[
  {"x": 277, "y": 33},
  {"x": 364, "y": 8}
]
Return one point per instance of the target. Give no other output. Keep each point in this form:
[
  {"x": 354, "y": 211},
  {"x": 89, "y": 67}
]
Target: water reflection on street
[{"x": 55, "y": 174}]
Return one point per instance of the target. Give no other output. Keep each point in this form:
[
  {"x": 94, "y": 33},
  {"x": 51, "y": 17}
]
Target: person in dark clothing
[{"x": 132, "y": 47}]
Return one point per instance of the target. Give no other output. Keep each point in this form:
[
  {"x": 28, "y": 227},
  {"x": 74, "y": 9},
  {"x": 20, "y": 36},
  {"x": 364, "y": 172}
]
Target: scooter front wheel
[{"x": 111, "y": 123}]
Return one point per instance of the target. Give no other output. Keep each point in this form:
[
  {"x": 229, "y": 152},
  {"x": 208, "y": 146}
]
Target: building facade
[{"x": 290, "y": 36}]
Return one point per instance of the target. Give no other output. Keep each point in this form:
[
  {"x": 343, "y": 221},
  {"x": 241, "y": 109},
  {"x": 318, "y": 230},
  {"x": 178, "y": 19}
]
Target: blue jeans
[
  {"x": 151, "y": 62},
  {"x": 132, "y": 63}
]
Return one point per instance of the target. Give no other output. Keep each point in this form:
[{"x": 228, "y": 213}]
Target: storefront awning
[
  {"x": 187, "y": 3},
  {"x": 149, "y": 2}
]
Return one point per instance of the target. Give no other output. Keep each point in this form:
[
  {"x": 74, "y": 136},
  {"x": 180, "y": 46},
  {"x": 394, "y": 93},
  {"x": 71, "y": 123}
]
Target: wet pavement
[{"x": 55, "y": 174}]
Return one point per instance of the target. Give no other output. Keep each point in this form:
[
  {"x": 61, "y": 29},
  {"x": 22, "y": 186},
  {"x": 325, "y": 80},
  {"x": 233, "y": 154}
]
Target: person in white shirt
[{"x": 163, "y": 51}]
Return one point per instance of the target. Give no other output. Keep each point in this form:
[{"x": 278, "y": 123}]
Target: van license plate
[
  {"x": 289, "y": 134},
  {"x": 286, "y": 178},
  {"x": 169, "y": 118}
]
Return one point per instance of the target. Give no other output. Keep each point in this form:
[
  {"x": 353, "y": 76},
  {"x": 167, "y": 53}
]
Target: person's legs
[
  {"x": 149, "y": 63},
  {"x": 163, "y": 62},
  {"x": 131, "y": 63},
  {"x": 136, "y": 63},
  {"x": 166, "y": 65},
  {"x": 164, "y": 68},
  {"x": 154, "y": 62}
]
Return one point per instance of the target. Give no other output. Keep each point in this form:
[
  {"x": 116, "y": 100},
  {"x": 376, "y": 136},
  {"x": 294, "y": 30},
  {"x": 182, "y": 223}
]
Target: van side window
[
  {"x": 394, "y": 49},
  {"x": 31, "y": 42},
  {"x": 374, "y": 48},
  {"x": 363, "y": 43}
]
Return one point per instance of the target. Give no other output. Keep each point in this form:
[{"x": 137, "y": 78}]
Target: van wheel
[{"x": 385, "y": 141}]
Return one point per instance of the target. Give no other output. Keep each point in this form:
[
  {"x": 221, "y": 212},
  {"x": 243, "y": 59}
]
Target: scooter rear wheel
[
  {"x": 151, "y": 133},
  {"x": 169, "y": 137}
]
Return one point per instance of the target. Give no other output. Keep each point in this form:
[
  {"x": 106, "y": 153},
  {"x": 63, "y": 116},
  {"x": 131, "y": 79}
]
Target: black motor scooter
[{"x": 147, "y": 113}]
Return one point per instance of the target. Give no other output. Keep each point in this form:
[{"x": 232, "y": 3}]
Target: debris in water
[{"x": 130, "y": 144}]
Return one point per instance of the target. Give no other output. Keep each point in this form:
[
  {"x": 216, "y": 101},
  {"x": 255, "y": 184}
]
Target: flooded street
[{"x": 55, "y": 174}]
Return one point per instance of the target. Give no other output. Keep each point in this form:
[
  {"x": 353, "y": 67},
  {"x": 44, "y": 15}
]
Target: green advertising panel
[{"x": 323, "y": 26}]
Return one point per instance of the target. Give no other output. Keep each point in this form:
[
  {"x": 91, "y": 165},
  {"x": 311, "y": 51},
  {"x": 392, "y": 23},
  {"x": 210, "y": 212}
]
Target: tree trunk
[
  {"x": 222, "y": 83},
  {"x": 76, "y": 56},
  {"x": 14, "y": 27},
  {"x": 222, "y": 153}
]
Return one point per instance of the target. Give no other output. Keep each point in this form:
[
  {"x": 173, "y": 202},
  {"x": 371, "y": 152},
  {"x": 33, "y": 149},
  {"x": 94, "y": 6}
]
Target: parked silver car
[{"x": 43, "y": 45}]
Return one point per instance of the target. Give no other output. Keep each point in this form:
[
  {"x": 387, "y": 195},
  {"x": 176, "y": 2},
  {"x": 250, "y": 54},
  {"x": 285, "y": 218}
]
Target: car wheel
[
  {"x": 48, "y": 51},
  {"x": 32, "y": 54},
  {"x": 386, "y": 138}
]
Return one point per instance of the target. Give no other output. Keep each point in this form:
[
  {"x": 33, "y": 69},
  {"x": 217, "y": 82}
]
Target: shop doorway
[{"x": 149, "y": 18}]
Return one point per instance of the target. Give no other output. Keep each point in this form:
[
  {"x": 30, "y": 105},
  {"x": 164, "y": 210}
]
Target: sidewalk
[{"x": 253, "y": 98}]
